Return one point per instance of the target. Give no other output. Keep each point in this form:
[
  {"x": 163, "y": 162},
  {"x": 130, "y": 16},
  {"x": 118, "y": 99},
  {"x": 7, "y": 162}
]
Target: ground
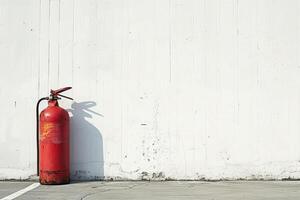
[{"x": 246, "y": 190}]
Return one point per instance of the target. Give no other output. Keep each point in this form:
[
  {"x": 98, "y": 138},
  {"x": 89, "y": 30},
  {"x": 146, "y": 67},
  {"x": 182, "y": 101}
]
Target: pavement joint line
[{"x": 20, "y": 192}]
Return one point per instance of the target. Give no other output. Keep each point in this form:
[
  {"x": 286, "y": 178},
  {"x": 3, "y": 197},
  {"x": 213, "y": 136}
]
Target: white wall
[{"x": 177, "y": 89}]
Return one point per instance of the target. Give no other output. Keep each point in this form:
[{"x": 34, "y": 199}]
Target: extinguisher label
[{"x": 52, "y": 132}]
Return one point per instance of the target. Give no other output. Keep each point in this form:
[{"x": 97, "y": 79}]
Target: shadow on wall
[{"x": 86, "y": 145}]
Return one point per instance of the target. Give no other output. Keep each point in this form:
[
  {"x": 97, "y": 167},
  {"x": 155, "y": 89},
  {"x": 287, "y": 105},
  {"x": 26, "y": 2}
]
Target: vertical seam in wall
[
  {"x": 237, "y": 65},
  {"x": 170, "y": 44},
  {"x": 257, "y": 44},
  {"x": 121, "y": 76},
  {"x": 73, "y": 28},
  {"x": 49, "y": 44},
  {"x": 58, "y": 42},
  {"x": 97, "y": 39},
  {"x": 39, "y": 50}
]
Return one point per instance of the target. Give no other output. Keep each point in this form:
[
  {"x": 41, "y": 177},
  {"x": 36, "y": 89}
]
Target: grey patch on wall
[
  {"x": 155, "y": 176},
  {"x": 158, "y": 176},
  {"x": 145, "y": 176}
]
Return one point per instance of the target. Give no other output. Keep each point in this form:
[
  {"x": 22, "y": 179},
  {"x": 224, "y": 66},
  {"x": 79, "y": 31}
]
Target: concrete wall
[{"x": 163, "y": 89}]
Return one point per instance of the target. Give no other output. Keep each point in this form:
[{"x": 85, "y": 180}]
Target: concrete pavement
[
  {"x": 9, "y": 187},
  {"x": 223, "y": 190}
]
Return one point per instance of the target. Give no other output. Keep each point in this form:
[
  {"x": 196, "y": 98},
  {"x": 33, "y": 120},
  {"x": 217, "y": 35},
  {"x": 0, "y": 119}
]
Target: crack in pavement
[
  {"x": 86, "y": 195},
  {"x": 111, "y": 189}
]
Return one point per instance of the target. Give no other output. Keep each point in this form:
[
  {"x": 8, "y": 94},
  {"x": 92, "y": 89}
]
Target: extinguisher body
[{"x": 54, "y": 156}]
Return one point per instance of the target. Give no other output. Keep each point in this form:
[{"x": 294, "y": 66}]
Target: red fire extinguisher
[{"x": 53, "y": 127}]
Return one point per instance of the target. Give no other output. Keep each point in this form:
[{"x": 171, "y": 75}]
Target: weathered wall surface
[{"x": 179, "y": 89}]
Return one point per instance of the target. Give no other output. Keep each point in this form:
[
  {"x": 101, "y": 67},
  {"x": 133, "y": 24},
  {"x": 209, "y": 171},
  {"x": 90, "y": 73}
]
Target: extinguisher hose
[{"x": 37, "y": 134}]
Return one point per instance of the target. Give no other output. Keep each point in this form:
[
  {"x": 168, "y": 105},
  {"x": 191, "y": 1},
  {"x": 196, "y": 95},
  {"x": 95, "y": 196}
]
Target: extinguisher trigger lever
[
  {"x": 55, "y": 94},
  {"x": 64, "y": 96}
]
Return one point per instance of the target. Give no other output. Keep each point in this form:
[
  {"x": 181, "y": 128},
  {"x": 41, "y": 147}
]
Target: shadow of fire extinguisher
[{"x": 86, "y": 143}]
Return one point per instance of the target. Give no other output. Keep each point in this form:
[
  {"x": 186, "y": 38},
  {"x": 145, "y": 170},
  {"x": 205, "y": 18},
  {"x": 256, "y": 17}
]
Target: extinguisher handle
[{"x": 56, "y": 92}]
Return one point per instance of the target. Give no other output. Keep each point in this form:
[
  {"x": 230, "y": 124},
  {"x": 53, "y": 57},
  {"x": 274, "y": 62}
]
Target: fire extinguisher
[{"x": 52, "y": 135}]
